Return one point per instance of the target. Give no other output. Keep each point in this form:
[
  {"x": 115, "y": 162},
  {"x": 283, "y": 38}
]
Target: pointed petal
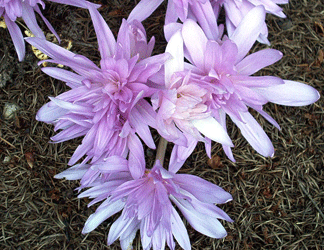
[
  {"x": 258, "y": 60},
  {"x": 136, "y": 160},
  {"x": 73, "y": 173},
  {"x": 101, "y": 215},
  {"x": 254, "y": 134},
  {"x": 195, "y": 41},
  {"x": 17, "y": 37},
  {"x": 73, "y": 80},
  {"x": 203, "y": 190},
  {"x": 77, "y": 3},
  {"x": 106, "y": 39},
  {"x": 29, "y": 17},
  {"x": 144, "y": 9},
  {"x": 290, "y": 94},
  {"x": 36, "y": 8},
  {"x": 210, "y": 128},
  {"x": 248, "y": 31},
  {"x": 176, "y": 63},
  {"x": 200, "y": 222},
  {"x": 112, "y": 163},
  {"x": 179, "y": 230}
]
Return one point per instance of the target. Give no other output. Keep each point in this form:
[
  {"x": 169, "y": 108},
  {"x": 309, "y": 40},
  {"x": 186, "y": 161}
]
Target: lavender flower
[
  {"x": 13, "y": 9},
  {"x": 147, "y": 206},
  {"x": 224, "y": 72},
  {"x": 236, "y": 10},
  {"x": 181, "y": 105},
  {"x": 200, "y": 10},
  {"x": 106, "y": 105}
]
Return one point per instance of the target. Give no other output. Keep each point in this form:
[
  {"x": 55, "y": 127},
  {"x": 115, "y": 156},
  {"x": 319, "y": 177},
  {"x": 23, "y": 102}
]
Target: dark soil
[{"x": 278, "y": 202}]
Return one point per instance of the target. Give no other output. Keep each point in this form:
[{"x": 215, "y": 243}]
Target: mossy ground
[{"x": 278, "y": 202}]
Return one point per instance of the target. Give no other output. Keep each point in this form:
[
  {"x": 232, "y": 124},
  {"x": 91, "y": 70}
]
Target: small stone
[
  {"x": 9, "y": 110},
  {"x": 6, "y": 159}
]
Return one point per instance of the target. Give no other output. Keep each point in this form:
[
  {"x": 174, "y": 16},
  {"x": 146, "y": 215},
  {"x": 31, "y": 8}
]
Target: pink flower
[
  {"x": 106, "y": 105},
  {"x": 200, "y": 10},
  {"x": 224, "y": 72},
  {"x": 236, "y": 10},
  {"x": 11, "y": 9},
  {"x": 146, "y": 205}
]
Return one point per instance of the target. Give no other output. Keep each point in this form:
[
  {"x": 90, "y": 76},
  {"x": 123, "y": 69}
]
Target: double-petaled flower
[
  {"x": 25, "y": 9},
  {"x": 106, "y": 104},
  {"x": 221, "y": 73},
  {"x": 146, "y": 205},
  {"x": 236, "y": 10}
]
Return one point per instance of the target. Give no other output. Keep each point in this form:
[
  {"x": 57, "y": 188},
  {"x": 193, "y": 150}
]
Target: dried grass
[{"x": 278, "y": 202}]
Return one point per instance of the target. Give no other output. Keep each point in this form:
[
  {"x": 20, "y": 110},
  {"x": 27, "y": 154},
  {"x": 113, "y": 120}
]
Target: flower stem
[{"x": 160, "y": 152}]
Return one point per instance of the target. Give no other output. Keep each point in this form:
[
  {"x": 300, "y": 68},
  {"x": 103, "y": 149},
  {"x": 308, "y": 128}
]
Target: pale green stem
[{"x": 160, "y": 152}]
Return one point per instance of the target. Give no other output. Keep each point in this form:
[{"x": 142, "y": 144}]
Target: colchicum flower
[
  {"x": 106, "y": 105},
  {"x": 223, "y": 72},
  {"x": 182, "y": 107},
  {"x": 236, "y": 10},
  {"x": 200, "y": 10},
  {"x": 10, "y": 10},
  {"x": 146, "y": 205}
]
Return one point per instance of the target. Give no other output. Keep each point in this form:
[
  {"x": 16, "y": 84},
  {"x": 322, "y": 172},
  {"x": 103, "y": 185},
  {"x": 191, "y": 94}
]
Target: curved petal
[
  {"x": 63, "y": 56},
  {"x": 176, "y": 63},
  {"x": 119, "y": 227},
  {"x": 17, "y": 37},
  {"x": 290, "y": 94},
  {"x": 29, "y": 17},
  {"x": 179, "y": 230},
  {"x": 101, "y": 214},
  {"x": 248, "y": 31},
  {"x": 254, "y": 134},
  {"x": 203, "y": 190},
  {"x": 72, "y": 80},
  {"x": 180, "y": 154},
  {"x": 210, "y": 128},
  {"x": 144, "y": 9},
  {"x": 106, "y": 39},
  {"x": 258, "y": 60},
  {"x": 202, "y": 223},
  {"x": 73, "y": 173},
  {"x": 195, "y": 41},
  {"x": 50, "y": 112}
]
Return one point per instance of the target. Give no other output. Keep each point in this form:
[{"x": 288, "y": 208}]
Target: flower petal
[
  {"x": 203, "y": 190},
  {"x": 210, "y": 128},
  {"x": 144, "y": 9},
  {"x": 73, "y": 173},
  {"x": 176, "y": 63},
  {"x": 106, "y": 39},
  {"x": 17, "y": 37},
  {"x": 202, "y": 223},
  {"x": 102, "y": 214},
  {"x": 179, "y": 230},
  {"x": 72, "y": 80},
  {"x": 195, "y": 41},
  {"x": 258, "y": 60},
  {"x": 290, "y": 94},
  {"x": 254, "y": 134},
  {"x": 248, "y": 31}
]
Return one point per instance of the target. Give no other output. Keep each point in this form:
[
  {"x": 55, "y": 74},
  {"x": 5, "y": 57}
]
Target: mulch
[{"x": 278, "y": 202}]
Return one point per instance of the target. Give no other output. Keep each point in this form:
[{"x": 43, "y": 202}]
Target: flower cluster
[
  {"x": 184, "y": 94},
  {"x": 10, "y": 10}
]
